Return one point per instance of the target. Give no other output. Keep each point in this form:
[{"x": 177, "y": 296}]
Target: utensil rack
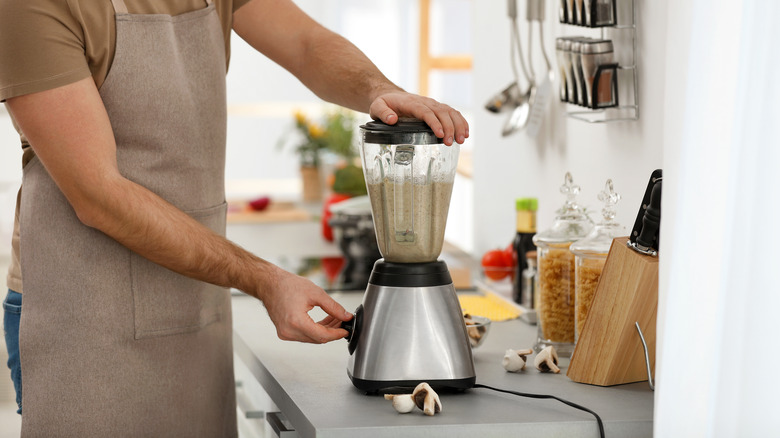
[{"x": 628, "y": 111}]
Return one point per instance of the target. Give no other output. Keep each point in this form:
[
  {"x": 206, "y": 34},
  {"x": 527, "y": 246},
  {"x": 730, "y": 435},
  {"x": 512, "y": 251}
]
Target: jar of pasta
[
  {"x": 555, "y": 272},
  {"x": 590, "y": 255}
]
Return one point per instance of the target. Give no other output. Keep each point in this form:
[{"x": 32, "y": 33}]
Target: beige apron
[{"x": 113, "y": 345}]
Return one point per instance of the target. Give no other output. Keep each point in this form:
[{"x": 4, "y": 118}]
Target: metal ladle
[
  {"x": 521, "y": 111},
  {"x": 511, "y": 97}
]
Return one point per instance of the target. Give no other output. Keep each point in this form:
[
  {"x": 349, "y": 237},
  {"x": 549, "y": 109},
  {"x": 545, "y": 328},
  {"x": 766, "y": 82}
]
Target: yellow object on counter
[{"x": 489, "y": 305}]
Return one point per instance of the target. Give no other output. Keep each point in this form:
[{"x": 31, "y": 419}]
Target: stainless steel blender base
[{"x": 405, "y": 335}]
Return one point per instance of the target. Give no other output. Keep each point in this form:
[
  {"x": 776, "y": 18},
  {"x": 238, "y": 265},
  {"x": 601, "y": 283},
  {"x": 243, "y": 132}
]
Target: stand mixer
[{"x": 410, "y": 327}]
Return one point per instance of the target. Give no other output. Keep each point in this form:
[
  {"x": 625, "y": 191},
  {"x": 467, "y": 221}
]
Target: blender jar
[
  {"x": 409, "y": 174},
  {"x": 555, "y": 273},
  {"x": 590, "y": 255}
]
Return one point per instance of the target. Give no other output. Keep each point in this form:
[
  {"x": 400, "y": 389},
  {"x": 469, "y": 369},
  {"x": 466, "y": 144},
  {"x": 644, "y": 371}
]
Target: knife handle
[{"x": 651, "y": 222}]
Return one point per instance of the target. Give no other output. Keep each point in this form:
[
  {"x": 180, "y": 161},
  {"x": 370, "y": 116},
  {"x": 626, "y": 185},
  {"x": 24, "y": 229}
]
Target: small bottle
[
  {"x": 590, "y": 255},
  {"x": 555, "y": 273},
  {"x": 523, "y": 242}
]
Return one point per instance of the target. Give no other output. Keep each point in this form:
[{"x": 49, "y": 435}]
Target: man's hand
[
  {"x": 289, "y": 298},
  {"x": 446, "y": 122}
]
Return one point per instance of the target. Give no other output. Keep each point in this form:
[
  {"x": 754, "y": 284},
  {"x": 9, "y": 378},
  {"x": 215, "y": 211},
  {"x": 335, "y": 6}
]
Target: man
[{"x": 125, "y": 328}]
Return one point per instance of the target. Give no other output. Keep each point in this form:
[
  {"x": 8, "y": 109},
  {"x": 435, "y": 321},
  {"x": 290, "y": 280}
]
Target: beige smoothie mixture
[{"x": 416, "y": 235}]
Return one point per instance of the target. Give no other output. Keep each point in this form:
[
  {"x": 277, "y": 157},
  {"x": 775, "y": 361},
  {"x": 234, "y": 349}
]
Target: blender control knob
[{"x": 353, "y": 328}]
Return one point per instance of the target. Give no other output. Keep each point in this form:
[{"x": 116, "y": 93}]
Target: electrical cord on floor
[{"x": 566, "y": 402}]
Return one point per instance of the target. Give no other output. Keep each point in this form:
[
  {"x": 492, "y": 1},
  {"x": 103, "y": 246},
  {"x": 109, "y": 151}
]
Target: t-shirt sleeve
[{"x": 41, "y": 47}]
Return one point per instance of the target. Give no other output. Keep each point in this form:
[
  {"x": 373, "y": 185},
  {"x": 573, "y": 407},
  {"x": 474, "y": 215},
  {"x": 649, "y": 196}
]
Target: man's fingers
[
  {"x": 332, "y": 308},
  {"x": 380, "y": 110}
]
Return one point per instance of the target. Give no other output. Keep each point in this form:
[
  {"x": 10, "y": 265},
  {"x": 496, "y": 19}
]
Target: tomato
[
  {"x": 260, "y": 204},
  {"x": 332, "y": 267},
  {"x": 495, "y": 264}
]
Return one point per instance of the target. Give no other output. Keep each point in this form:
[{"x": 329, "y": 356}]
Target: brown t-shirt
[{"x": 46, "y": 44}]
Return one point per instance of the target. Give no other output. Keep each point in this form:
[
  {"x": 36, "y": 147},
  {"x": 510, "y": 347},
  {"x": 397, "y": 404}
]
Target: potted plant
[{"x": 333, "y": 135}]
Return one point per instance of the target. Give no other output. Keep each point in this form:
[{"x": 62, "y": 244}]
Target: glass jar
[
  {"x": 590, "y": 255},
  {"x": 555, "y": 273},
  {"x": 593, "y": 54},
  {"x": 603, "y": 14},
  {"x": 560, "y": 51},
  {"x": 580, "y": 97}
]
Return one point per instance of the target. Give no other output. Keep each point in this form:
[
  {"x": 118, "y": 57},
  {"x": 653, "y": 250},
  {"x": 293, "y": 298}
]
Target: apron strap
[{"x": 119, "y": 6}]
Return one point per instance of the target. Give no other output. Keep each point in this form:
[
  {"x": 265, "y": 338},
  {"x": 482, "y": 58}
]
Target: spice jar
[
  {"x": 563, "y": 14},
  {"x": 570, "y": 12},
  {"x": 590, "y": 255},
  {"x": 555, "y": 273},
  {"x": 595, "y": 53},
  {"x": 562, "y": 49},
  {"x": 576, "y": 71},
  {"x": 578, "y": 19},
  {"x": 603, "y": 13}
]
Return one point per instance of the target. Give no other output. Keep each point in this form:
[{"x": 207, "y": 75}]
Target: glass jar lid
[
  {"x": 571, "y": 223},
  {"x": 599, "y": 240}
]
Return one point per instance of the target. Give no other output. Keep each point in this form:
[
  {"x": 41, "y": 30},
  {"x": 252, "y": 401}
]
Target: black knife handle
[{"x": 651, "y": 222}]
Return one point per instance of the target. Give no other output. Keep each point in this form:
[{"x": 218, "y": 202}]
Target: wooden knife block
[{"x": 609, "y": 350}]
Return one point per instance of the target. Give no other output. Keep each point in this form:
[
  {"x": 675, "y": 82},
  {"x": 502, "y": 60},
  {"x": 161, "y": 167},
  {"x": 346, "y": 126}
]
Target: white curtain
[{"x": 719, "y": 298}]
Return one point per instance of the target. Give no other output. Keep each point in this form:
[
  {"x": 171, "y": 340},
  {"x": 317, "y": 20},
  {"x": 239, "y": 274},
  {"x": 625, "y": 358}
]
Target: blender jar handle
[{"x": 403, "y": 193}]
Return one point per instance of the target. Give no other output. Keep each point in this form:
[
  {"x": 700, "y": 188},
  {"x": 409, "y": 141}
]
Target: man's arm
[
  {"x": 70, "y": 132},
  {"x": 335, "y": 69}
]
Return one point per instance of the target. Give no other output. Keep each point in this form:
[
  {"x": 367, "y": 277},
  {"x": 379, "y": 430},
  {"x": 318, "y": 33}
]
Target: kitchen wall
[
  {"x": 506, "y": 168},
  {"x": 262, "y": 96}
]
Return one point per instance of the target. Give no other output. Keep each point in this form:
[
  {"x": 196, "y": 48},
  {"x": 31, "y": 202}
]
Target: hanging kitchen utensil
[
  {"x": 543, "y": 89},
  {"x": 511, "y": 96},
  {"x": 519, "y": 117}
]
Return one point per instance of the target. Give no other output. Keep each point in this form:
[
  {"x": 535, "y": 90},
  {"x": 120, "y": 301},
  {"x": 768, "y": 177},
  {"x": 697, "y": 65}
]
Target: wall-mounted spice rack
[{"x": 610, "y": 92}]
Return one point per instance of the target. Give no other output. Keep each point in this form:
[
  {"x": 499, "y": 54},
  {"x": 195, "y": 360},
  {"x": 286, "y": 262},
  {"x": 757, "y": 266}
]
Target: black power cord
[{"x": 566, "y": 402}]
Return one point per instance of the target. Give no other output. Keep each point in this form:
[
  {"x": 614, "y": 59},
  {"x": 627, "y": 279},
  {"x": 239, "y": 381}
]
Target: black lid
[
  {"x": 405, "y": 131},
  {"x": 410, "y": 274}
]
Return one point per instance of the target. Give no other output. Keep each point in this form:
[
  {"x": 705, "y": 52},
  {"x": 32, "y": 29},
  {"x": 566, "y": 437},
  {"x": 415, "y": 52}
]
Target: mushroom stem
[{"x": 403, "y": 403}]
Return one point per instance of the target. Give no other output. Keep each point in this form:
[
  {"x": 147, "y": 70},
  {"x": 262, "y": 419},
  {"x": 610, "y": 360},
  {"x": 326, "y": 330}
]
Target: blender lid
[{"x": 405, "y": 131}]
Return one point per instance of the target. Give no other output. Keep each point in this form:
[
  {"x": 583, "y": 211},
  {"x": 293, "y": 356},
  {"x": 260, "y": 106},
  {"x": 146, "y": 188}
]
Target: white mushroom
[
  {"x": 514, "y": 360},
  {"x": 547, "y": 360},
  {"x": 403, "y": 403},
  {"x": 426, "y": 399}
]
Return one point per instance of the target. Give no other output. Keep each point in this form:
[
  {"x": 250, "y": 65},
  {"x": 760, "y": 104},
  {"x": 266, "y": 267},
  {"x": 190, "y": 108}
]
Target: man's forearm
[
  {"x": 340, "y": 73},
  {"x": 145, "y": 223}
]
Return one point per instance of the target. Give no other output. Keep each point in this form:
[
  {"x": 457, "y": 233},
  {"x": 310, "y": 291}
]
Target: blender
[{"x": 410, "y": 327}]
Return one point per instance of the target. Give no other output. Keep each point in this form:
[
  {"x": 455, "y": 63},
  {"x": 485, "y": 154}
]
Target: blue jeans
[{"x": 13, "y": 312}]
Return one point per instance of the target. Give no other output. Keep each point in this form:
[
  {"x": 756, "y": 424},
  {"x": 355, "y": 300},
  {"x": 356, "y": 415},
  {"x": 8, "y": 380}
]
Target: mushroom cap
[
  {"x": 426, "y": 399},
  {"x": 512, "y": 361},
  {"x": 547, "y": 360}
]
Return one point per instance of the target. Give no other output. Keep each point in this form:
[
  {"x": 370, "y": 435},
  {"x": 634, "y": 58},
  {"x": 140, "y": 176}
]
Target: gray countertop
[{"x": 310, "y": 386}]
